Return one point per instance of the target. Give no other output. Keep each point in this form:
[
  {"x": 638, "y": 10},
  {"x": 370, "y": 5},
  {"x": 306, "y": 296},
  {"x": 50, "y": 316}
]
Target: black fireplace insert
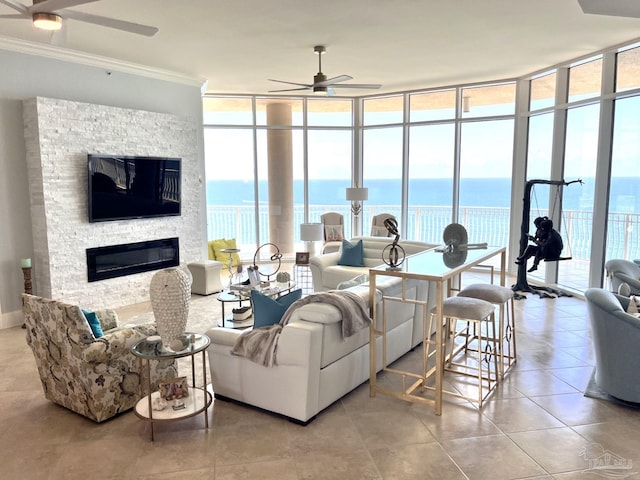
[{"x": 129, "y": 258}]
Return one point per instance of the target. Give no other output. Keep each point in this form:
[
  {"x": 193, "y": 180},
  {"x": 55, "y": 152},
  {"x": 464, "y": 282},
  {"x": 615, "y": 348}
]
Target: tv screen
[{"x": 124, "y": 187}]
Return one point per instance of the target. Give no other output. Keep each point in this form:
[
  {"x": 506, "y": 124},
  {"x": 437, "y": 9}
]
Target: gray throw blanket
[{"x": 260, "y": 345}]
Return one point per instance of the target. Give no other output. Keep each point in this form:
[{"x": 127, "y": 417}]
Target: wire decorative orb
[{"x": 275, "y": 256}]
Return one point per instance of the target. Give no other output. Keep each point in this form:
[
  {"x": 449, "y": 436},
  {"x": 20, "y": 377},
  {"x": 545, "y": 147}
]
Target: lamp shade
[
  {"x": 357, "y": 194},
  {"x": 311, "y": 232}
]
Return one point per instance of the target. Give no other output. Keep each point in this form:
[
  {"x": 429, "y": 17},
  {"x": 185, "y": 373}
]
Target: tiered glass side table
[{"x": 199, "y": 398}]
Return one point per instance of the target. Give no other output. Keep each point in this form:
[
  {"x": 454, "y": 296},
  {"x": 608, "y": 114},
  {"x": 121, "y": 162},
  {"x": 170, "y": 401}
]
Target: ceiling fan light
[
  {"x": 47, "y": 21},
  {"x": 320, "y": 90}
]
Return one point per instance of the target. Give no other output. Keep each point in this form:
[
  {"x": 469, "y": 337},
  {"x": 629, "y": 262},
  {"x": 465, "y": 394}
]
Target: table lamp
[{"x": 310, "y": 233}]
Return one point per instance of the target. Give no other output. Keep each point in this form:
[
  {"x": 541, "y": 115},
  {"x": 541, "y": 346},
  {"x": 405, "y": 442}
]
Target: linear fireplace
[{"x": 129, "y": 258}]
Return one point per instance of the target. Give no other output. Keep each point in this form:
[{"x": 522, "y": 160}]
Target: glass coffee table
[
  {"x": 198, "y": 399},
  {"x": 240, "y": 295}
]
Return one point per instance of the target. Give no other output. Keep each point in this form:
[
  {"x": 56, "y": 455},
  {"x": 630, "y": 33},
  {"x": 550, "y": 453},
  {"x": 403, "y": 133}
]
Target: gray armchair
[
  {"x": 616, "y": 337},
  {"x": 623, "y": 271}
]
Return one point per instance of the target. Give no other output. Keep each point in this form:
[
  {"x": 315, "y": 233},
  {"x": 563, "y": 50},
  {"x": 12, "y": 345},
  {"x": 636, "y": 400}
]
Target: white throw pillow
[
  {"x": 333, "y": 233},
  {"x": 633, "y": 305}
]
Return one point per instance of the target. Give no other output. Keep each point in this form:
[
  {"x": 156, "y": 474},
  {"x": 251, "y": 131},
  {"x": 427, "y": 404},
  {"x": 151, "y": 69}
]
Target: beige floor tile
[
  {"x": 457, "y": 421},
  {"x": 556, "y": 450},
  {"x": 519, "y": 414},
  {"x": 538, "y": 382},
  {"x": 391, "y": 428},
  {"x": 494, "y": 457},
  {"x": 340, "y": 466},
  {"x": 619, "y": 436},
  {"x": 576, "y": 409},
  {"x": 529, "y": 427},
  {"x": 425, "y": 461},
  {"x": 277, "y": 469}
]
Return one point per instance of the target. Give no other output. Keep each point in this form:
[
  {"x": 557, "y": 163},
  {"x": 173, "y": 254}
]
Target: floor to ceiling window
[
  {"x": 432, "y": 140},
  {"x": 267, "y": 172},
  {"x": 438, "y": 156},
  {"x": 382, "y": 158},
  {"x": 623, "y": 222},
  {"x": 329, "y": 158}
]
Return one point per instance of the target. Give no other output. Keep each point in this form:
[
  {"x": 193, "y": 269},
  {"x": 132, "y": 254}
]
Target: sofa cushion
[
  {"x": 94, "y": 323},
  {"x": 352, "y": 254},
  {"x": 269, "y": 311}
]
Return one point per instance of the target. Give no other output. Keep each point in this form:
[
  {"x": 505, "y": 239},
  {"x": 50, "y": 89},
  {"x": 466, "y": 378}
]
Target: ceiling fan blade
[
  {"x": 289, "y": 89},
  {"x": 614, "y": 8},
  {"x": 371, "y": 86},
  {"x": 306, "y": 85},
  {"x": 15, "y": 5},
  {"x": 331, "y": 81},
  {"x": 54, "y": 5},
  {"x": 110, "y": 22},
  {"x": 15, "y": 15}
]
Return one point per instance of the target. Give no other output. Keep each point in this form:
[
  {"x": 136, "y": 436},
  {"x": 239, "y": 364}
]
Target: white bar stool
[
  {"x": 477, "y": 312},
  {"x": 503, "y": 297}
]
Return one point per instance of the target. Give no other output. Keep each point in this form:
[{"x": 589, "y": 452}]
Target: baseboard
[{"x": 11, "y": 319}]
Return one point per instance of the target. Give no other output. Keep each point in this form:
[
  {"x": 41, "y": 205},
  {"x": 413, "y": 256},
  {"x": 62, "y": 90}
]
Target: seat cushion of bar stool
[
  {"x": 467, "y": 308},
  {"x": 488, "y": 292}
]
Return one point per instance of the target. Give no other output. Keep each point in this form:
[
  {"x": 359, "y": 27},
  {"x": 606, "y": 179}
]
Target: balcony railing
[{"x": 426, "y": 223}]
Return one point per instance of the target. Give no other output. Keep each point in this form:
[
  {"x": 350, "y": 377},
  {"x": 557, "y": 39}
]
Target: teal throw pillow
[
  {"x": 352, "y": 254},
  {"x": 268, "y": 311},
  {"x": 94, "y": 323}
]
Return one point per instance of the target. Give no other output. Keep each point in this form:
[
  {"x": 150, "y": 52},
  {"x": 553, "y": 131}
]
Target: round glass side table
[{"x": 198, "y": 399}]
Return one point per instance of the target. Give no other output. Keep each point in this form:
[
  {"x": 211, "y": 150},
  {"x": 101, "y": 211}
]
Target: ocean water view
[
  {"x": 484, "y": 211},
  {"x": 477, "y": 192}
]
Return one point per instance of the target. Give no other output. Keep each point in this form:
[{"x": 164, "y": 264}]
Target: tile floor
[{"x": 535, "y": 425}]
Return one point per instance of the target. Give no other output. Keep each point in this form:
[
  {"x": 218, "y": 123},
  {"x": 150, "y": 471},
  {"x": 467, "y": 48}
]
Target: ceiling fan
[
  {"x": 48, "y": 15},
  {"x": 321, "y": 84}
]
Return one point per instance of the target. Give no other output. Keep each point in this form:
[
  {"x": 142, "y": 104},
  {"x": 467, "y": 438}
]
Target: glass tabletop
[
  {"x": 152, "y": 347},
  {"x": 440, "y": 263}
]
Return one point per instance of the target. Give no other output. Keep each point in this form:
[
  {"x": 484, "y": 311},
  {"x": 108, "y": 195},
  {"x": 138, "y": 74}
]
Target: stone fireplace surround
[{"x": 58, "y": 136}]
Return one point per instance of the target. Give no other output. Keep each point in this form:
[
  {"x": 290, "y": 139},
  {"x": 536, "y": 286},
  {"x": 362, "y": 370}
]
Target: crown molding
[{"x": 67, "y": 55}]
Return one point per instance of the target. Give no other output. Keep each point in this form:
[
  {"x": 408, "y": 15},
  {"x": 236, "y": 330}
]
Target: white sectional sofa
[
  {"x": 327, "y": 274},
  {"x": 315, "y": 365}
]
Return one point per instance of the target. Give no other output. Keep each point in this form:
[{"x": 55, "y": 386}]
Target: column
[{"x": 280, "y": 177}]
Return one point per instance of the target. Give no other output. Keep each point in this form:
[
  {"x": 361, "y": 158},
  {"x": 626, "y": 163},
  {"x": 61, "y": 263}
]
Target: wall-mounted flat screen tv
[{"x": 125, "y": 187}]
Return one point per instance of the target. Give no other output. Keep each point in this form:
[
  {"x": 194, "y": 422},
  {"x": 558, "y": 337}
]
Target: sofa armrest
[
  {"x": 224, "y": 336},
  {"x": 318, "y": 264}
]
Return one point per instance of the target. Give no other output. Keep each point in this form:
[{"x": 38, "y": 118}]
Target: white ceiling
[{"x": 236, "y": 45}]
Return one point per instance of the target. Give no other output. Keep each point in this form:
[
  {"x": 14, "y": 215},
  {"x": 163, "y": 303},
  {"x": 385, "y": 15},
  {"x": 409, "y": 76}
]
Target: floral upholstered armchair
[{"x": 95, "y": 377}]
